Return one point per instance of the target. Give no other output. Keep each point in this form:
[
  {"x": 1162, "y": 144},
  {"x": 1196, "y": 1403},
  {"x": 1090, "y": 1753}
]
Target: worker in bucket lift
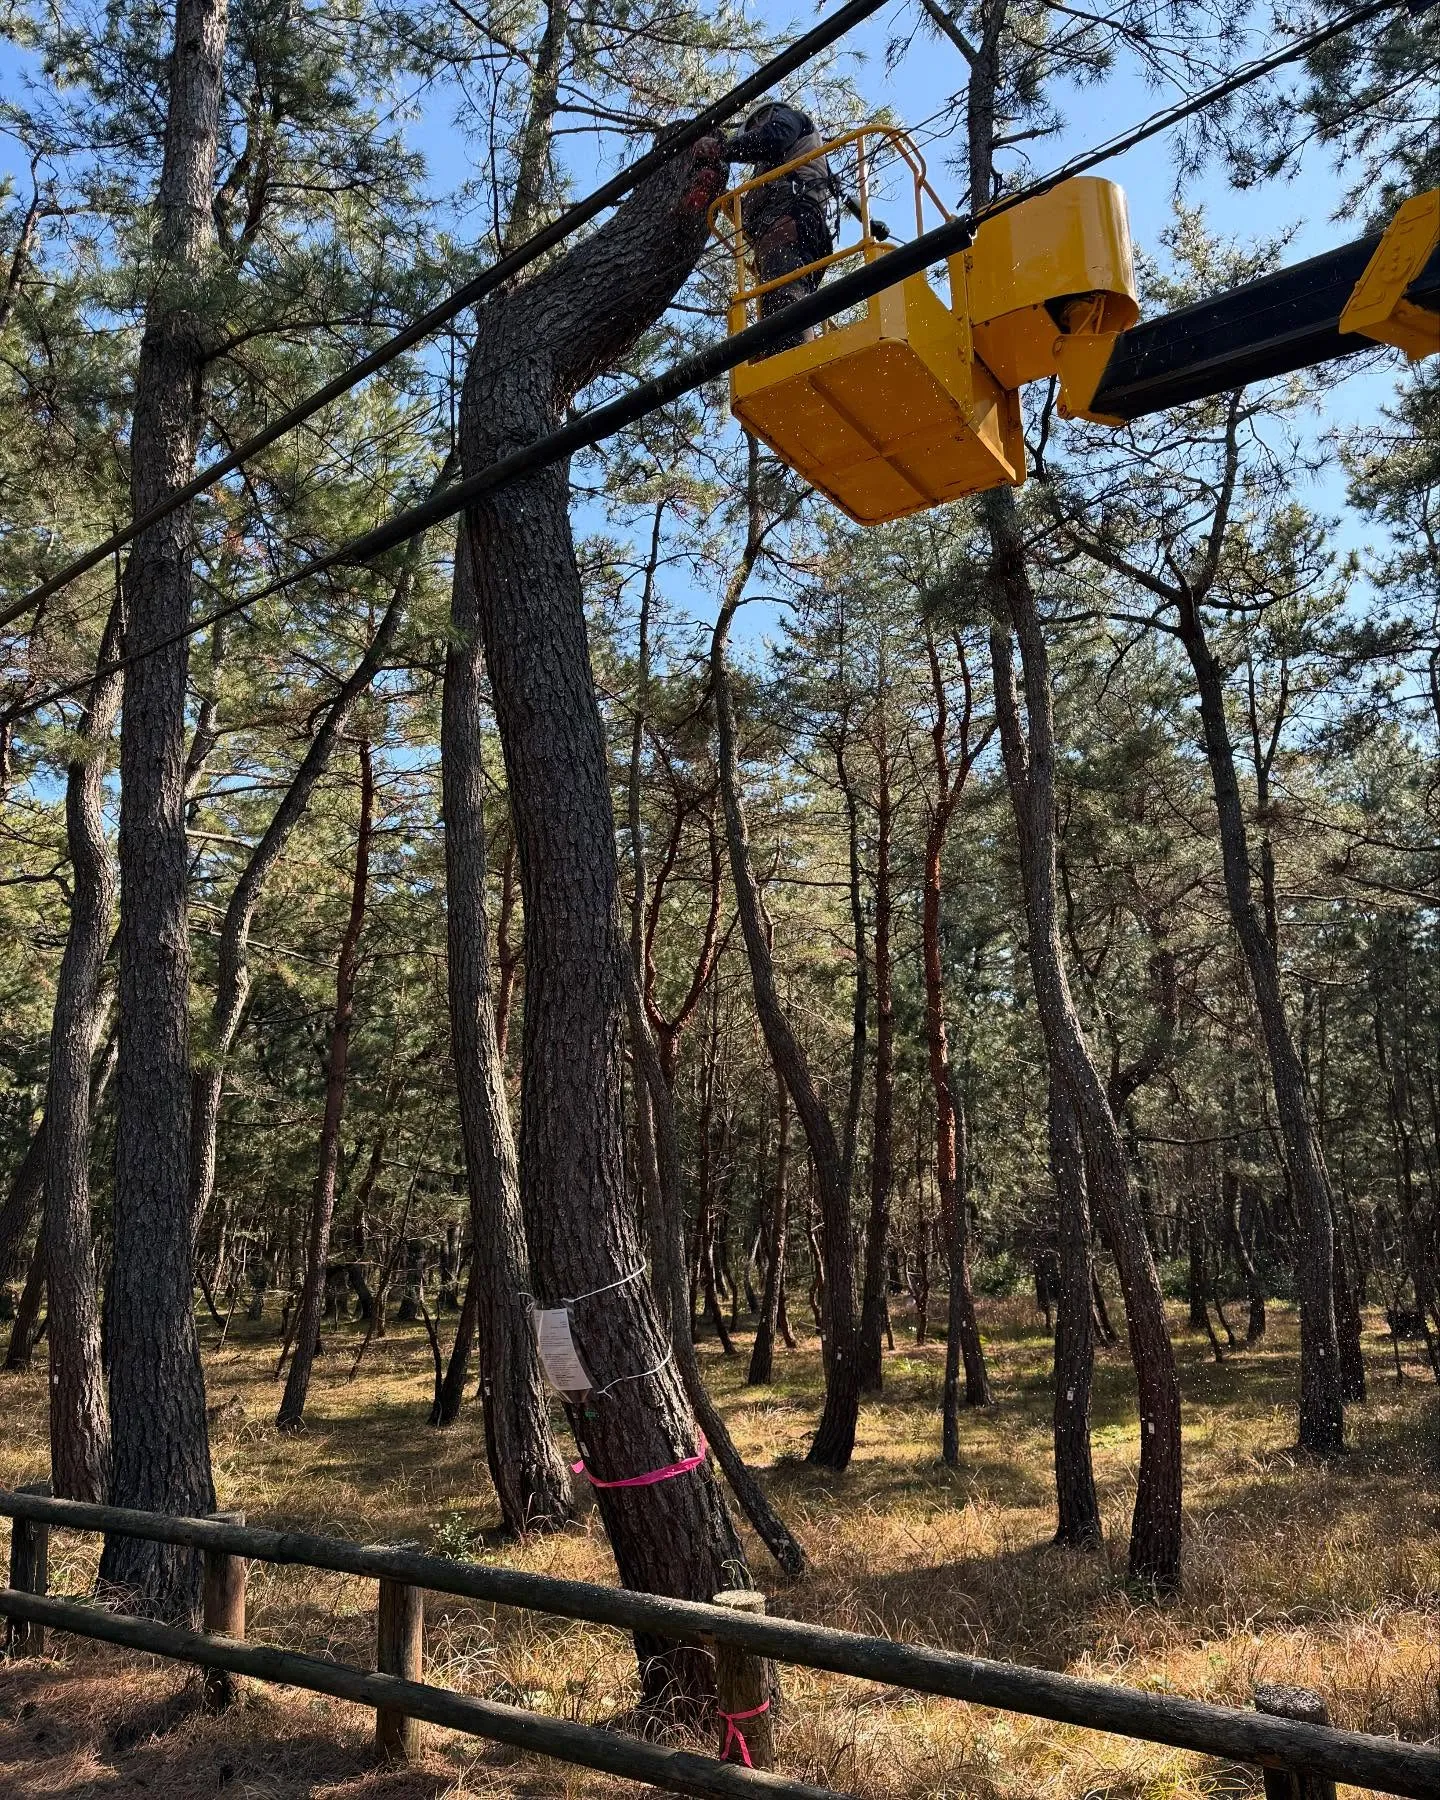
[{"x": 786, "y": 221}]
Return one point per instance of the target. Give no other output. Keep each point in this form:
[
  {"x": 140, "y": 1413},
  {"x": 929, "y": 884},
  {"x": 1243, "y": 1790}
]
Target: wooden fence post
[
  {"x": 29, "y": 1574},
  {"x": 224, "y": 1614},
  {"x": 399, "y": 1650},
  {"x": 1283, "y": 1702},
  {"x": 744, "y": 1687}
]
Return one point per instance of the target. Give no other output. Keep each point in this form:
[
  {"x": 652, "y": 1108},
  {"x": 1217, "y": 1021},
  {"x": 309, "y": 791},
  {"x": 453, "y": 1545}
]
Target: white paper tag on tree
[{"x": 558, "y": 1356}]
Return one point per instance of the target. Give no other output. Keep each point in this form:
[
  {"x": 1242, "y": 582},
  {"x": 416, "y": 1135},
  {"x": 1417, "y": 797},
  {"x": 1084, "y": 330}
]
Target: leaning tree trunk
[
  {"x": 530, "y": 1479},
  {"x": 1077, "y": 1506},
  {"x": 22, "y": 1203},
  {"x": 1322, "y": 1408},
  {"x": 291, "y": 1416},
  {"x": 79, "y": 1416},
  {"x": 535, "y": 347},
  {"x": 451, "y": 1396},
  {"x": 834, "y": 1440},
  {"x": 762, "y": 1351},
  {"x": 232, "y": 982},
  {"x": 25, "y": 1329},
  {"x": 1155, "y": 1537},
  {"x": 161, "y": 1451},
  {"x": 659, "y": 1150}
]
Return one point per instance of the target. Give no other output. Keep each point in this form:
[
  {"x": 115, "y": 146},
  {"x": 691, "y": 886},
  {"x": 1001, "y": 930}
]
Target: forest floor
[{"x": 1328, "y": 1576}]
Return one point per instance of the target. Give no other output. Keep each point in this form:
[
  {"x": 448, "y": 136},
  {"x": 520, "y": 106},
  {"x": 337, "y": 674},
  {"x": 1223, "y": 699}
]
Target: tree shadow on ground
[{"x": 101, "y": 1724}]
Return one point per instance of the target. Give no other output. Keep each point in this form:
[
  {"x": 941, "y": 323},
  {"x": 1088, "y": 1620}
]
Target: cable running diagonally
[
  {"x": 593, "y": 427},
  {"x": 671, "y": 142}
]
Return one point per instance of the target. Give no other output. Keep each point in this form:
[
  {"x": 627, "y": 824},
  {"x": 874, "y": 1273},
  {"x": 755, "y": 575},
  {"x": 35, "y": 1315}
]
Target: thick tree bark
[
  {"x": 161, "y": 1451},
  {"x": 536, "y": 346},
  {"x": 291, "y": 1415},
  {"x": 834, "y": 1440},
  {"x": 1155, "y": 1537},
  {"x": 531, "y": 1482},
  {"x": 1322, "y": 1410},
  {"x": 79, "y": 1415},
  {"x": 1076, "y": 1502}
]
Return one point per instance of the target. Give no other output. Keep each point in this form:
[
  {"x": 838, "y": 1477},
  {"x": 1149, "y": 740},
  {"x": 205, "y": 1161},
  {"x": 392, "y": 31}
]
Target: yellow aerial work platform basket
[{"x": 890, "y": 412}]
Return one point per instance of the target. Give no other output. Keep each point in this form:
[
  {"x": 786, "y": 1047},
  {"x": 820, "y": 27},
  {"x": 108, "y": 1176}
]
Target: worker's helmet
[{"x": 760, "y": 112}]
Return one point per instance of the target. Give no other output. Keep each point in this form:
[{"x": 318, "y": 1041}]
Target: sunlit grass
[{"x": 1326, "y": 1575}]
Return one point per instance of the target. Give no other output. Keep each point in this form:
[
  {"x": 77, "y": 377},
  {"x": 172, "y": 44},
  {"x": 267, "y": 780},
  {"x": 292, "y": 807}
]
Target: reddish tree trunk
[{"x": 322, "y": 1206}]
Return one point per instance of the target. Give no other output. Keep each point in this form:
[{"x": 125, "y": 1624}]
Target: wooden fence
[{"x": 1287, "y": 1736}]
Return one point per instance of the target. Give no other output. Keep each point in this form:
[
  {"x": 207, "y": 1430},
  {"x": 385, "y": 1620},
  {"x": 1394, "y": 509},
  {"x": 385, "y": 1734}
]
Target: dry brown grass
[{"x": 1324, "y": 1575}]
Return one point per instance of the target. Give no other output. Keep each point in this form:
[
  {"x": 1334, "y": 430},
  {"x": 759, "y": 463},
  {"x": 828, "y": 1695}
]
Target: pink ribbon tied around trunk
[
  {"x": 734, "y": 1735},
  {"x": 652, "y": 1476}
]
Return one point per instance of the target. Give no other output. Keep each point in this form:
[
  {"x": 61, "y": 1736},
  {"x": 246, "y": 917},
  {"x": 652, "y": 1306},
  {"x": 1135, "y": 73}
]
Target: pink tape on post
[
  {"x": 734, "y": 1735},
  {"x": 648, "y": 1480}
]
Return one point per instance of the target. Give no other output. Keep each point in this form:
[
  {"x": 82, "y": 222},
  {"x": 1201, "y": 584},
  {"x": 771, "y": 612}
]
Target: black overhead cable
[
  {"x": 591, "y": 428},
  {"x": 671, "y": 141}
]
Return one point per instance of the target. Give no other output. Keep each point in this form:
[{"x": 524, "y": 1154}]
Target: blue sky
[{"x": 1305, "y": 205}]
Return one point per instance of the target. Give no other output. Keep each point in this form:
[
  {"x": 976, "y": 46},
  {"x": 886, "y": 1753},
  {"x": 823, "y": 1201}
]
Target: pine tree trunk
[
  {"x": 25, "y": 1330},
  {"x": 1322, "y": 1409},
  {"x": 22, "y": 1203},
  {"x": 535, "y": 346},
  {"x": 530, "y": 1479},
  {"x": 659, "y": 1155},
  {"x": 451, "y": 1398},
  {"x": 79, "y": 1415},
  {"x": 1155, "y": 1538},
  {"x": 834, "y": 1439},
  {"x": 232, "y": 984},
  {"x": 762, "y": 1351},
  {"x": 1076, "y": 1501},
  {"x": 962, "y": 1339},
  {"x": 963, "y": 1335},
  {"x": 1197, "y": 1277},
  {"x": 882, "y": 1151},
  {"x": 322, "y": 1206},
  {"x": 160, "y": 1445}
]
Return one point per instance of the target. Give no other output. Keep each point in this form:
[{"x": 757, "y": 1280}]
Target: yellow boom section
[{"x": 911, "y": 400}]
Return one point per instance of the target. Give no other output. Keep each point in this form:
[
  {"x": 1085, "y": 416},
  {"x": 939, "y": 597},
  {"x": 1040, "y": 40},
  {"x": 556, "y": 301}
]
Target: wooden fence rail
[
  {"x": 1307, "y": 1752},
  {"x": 673, "y": 1771}
]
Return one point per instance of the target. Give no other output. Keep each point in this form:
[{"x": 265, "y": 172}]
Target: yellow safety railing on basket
[
  {"x": 868, "y": 143},
  {"x": 886, "y": 408}
]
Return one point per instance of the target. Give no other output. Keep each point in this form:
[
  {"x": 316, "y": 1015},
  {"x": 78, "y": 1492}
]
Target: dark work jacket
[{"x": 785, "y": 132}]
